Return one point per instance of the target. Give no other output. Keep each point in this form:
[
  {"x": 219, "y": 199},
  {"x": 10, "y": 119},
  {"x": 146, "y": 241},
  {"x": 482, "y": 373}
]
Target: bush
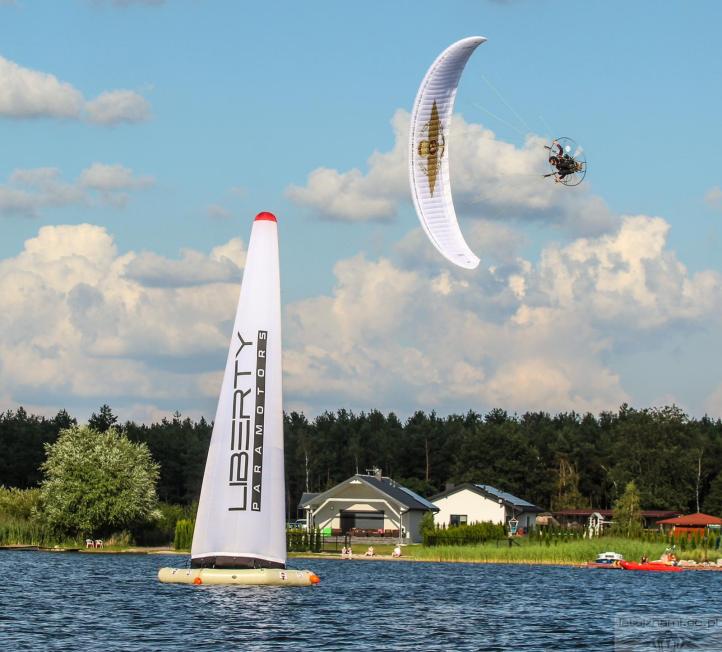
[
  {"x": 460, "y": 535},
  {"x": 18, "y": 504},
  {"x": 160, "y": 529}
]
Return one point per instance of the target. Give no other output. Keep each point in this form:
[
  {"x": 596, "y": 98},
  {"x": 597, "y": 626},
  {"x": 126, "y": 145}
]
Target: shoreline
[{"x": 158, "y": 550}]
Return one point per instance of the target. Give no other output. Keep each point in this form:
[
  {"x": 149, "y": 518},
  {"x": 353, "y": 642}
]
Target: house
[
  {"x": 692, "y": 524},
  {"x": 368, "y": 505},
  {"x": 597, "y": 520},
  {"x": 474, "y": 503}
]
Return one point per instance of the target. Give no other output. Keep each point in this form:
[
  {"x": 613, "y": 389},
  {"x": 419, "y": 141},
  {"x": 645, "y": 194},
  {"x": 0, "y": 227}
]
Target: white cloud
[
  {"x": 194, "y": 268},
  {"x": 540, "y": 337},
  {"x": 353, "y": 196},
  {"x": 27, "y": 93},
  {"x": 100, "y": 176},
  {"x": 77, "y": 323},
  {"x": 82, "y": 321},
  {"x": 218, "y": 212},
  {"x": 114, "y": 107},
  {"x": 29, "y": 191},
  {"x": 713, "y": 197},
  {"x": 491, "y": 180}
]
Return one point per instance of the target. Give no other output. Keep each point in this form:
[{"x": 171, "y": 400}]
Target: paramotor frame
[{"x": 567, "y": 161}]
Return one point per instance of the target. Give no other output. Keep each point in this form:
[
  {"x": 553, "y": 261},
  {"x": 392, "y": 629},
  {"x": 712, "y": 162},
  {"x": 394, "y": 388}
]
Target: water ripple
[{"x": 114, "y": 602}]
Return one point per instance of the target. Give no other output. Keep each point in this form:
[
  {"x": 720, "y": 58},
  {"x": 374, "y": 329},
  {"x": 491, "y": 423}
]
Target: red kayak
[{"x": 650, "y": 566}]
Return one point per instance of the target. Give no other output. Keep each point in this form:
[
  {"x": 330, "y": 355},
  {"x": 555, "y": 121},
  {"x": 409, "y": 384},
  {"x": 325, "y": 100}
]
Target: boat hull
[
  {"x": 245, "y": 576},
  {"x": 651, "y": 566}
]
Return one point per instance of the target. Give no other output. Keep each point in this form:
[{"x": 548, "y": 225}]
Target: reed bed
[{"x": 577, "y": 551}]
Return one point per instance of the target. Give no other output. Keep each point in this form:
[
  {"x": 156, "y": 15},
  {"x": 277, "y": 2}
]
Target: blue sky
[{"x": 166, "y": 126}]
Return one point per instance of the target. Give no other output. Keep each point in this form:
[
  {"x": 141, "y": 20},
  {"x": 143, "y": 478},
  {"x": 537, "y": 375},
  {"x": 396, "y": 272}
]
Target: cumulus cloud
[
  {"x": 713, "y": 197},
  {"x": 354, "y": 196},
  {"x": 27, "y": 93},
  {"x": 223, "y": 265},
  {"x": 81, "y": 320},
  {"x": 100, "y": 176},
  {"x": 114, "y": 107},
  {"x": 520, "y": 336},
  {"x": 29, "y": 191},
  {"x": 491, "y": 180}
]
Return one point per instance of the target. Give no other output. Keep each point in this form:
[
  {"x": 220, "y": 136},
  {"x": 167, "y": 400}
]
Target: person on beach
[
  {"x": 397, "y": 551},
  {"x": 346, "y": 553},
  {"x": 370, "y": 551}
]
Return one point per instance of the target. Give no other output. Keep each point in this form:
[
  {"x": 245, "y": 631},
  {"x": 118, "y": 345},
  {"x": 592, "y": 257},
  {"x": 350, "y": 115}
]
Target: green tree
[
  {"x": 97, "y": 482},
  {"x": 568, "y": 495},
  {"x": 103, "y": 420},
  {"x": 627, "y": 512},
  {"x": 713, "y": 502}
]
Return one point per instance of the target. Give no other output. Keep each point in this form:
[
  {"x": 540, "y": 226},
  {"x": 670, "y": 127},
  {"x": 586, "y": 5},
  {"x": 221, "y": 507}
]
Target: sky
[{"x": 140, "y": 138}]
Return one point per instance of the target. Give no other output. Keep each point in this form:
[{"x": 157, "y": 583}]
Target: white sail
[
  {"x": 429, "y": 156},
  {"x": 241, "y": 513}
]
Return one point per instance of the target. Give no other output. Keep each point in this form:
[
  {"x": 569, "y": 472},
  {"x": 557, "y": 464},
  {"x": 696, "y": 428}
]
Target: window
[{"x": 458, "y": 519}]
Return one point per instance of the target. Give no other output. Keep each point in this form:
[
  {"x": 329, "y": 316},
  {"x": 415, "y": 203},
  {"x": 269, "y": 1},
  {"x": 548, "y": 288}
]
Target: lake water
[{"x": 63, "y": 601}]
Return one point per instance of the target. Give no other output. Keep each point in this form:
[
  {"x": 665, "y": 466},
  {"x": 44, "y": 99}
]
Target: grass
[
  {"x": 531, "y": 551},
  {"x": 577, "y": 551}
]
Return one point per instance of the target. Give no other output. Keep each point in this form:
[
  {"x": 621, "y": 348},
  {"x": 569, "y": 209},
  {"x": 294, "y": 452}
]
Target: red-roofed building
[{"x": 692, "y": 524}]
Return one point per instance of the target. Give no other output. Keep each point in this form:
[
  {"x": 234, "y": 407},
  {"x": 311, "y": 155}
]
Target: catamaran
[{"x": 240, "y": 532}]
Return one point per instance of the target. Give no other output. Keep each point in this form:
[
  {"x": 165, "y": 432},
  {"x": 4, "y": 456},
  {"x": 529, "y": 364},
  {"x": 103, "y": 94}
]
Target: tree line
[{"x": 567, "y": 460}]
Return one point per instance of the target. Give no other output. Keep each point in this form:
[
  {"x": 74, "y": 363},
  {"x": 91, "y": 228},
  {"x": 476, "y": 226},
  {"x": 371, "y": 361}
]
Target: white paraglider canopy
[{"x": 429, "y": 159}]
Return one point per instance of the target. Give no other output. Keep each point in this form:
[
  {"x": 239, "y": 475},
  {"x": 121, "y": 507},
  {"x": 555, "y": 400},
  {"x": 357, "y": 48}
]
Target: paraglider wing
[{"x": 429, "y": 159}]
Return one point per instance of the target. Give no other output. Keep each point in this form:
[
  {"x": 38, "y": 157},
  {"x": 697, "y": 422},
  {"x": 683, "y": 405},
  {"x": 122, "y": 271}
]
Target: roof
[
  {"x": 508, "y": 498},
  {"x": 402, "y": 495},
  {"x": 487, "y": 491},
  {"x": 693, "y": 520},
  {"x": 647, "y": 513},
  {"x": 306, "y": 496}
]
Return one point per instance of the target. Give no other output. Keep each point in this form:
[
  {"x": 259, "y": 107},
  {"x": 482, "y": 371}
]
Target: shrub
[{"x": 460, "y": 535}]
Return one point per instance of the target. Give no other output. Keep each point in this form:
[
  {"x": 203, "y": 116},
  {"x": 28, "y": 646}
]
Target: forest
[{"x": 560, "y": 461}]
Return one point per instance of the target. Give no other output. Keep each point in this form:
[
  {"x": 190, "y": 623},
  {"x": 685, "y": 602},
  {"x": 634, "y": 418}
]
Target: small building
[
  {"x": 368, "y": 505},
  {"x": 475, "y": 503},
  {"x": 597, "y": 520},
  {"x": 692, "y": 524}
]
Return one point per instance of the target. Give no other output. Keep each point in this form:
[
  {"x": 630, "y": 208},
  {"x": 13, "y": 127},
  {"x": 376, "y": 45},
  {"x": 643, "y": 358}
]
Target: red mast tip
[{"x": 266, "y": 216}]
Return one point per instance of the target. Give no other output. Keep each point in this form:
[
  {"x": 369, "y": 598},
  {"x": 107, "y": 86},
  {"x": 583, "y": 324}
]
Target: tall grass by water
[{"x": 532, "y": 551}]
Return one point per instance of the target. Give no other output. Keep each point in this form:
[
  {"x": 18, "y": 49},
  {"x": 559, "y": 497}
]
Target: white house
[
  {"x": 473, "y": 503},
  {"x": 367, "y": 505}
]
